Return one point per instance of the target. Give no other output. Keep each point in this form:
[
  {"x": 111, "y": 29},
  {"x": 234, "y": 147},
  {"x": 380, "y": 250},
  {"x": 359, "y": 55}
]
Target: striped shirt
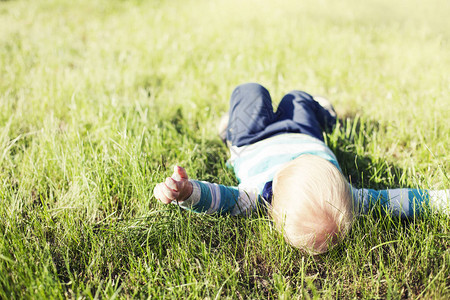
[{"x": 256, "y": 164}]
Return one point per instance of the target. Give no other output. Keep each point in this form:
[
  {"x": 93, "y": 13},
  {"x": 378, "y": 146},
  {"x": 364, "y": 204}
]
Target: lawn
[{"x": 100, "y": 99}]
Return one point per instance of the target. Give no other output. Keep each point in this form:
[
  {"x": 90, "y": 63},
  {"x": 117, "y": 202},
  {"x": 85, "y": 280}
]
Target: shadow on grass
[{"x": 350, "y": 142}]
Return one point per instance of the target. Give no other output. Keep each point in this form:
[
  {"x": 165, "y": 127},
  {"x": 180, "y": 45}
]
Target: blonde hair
[{"x": 312, "y": 204}]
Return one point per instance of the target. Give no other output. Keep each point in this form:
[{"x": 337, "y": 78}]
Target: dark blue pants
[{"x": 252, "y": 117}]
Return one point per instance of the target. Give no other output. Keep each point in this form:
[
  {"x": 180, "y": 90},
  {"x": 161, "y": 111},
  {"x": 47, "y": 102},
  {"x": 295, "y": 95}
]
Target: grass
[{"x": 99, "y": 99}]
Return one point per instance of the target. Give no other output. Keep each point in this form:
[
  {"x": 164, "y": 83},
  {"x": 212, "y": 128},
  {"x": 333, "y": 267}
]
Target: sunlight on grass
[{"x": 99, "y": 99}]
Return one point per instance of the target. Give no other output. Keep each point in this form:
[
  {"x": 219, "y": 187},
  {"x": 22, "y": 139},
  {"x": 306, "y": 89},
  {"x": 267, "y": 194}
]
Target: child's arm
[
  {"x": 206, "y": 197},
  {"x": 402, "y": 202}
]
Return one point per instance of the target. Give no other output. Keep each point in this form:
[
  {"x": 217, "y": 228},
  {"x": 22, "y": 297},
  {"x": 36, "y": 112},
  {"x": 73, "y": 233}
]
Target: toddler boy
[{"x": 281, "y": 161}]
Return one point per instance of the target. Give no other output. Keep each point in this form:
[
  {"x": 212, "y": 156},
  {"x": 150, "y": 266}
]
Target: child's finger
[
  {"x": 179, "y": 173},
  {"x": 157, "y": 192},
  {"x": 169, "y": 193},
  {"x": 171, "y": 183}
]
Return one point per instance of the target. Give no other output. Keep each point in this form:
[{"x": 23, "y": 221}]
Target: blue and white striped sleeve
[
  {"x": 401, "y": 202},
  {"x": 212, "y": 198}
]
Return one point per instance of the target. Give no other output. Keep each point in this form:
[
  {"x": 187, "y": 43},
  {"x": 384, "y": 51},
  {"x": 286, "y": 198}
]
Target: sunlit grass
[{"x": 99, "y": 99}]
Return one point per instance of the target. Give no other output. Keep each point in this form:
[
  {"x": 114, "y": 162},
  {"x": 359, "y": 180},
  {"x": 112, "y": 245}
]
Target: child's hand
[{"x": 176, "y": 187}]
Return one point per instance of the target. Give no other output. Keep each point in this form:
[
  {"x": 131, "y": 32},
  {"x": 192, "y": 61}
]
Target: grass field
[{"x": 99, "y": 99}]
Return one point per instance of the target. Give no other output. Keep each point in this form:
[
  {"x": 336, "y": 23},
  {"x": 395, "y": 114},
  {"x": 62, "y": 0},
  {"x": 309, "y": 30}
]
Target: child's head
[{"x": 312, "y": 204}]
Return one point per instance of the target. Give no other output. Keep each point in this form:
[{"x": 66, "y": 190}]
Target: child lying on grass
[{"x": 281, "y": 161}]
